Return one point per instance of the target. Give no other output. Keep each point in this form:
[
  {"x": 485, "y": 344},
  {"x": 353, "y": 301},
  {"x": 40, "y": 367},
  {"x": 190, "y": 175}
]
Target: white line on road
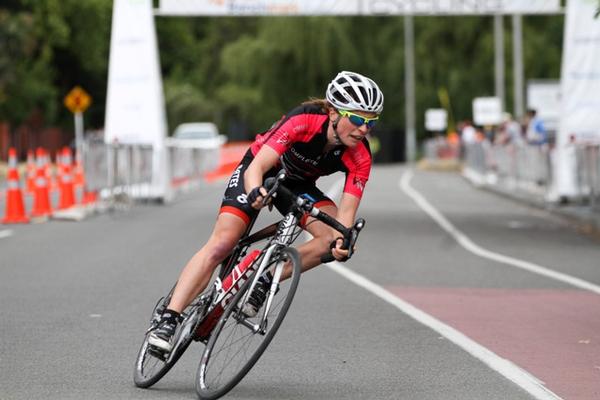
[
  {"x": 5, "y": 233},
  {"x": 474, "y": 248},
  {"x": 501, "y": 365}
]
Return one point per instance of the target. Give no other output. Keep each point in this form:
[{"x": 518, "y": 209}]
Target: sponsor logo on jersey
[
  {"x": 235, "y": 178},
  {"x": 359, "y": 183},
  {"x": 305, "y": 159},
  {"x": 300, "y": 128},
  {"x": 242, "y": 198},
  {"x": 284, "y": 139}
]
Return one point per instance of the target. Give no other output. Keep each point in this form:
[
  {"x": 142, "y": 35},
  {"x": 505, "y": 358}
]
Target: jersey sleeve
[
  {"x": 286, "y": 133},
  {"x": 358, "y": 165},
  {"x": 299, "y": 125}
]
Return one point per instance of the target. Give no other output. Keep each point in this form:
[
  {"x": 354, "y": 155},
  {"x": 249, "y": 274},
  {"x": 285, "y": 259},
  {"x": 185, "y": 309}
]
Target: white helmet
[{"x": 352, "y": 91}]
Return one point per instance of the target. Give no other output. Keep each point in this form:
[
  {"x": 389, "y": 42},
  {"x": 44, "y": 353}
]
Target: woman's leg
[
  {"x": 311, "y": 251},
  {"x": 195, "y": 276}
]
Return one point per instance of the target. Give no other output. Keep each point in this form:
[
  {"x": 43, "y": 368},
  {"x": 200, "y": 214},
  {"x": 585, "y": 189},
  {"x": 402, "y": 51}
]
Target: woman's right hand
[{"x": 256, "y": 196}]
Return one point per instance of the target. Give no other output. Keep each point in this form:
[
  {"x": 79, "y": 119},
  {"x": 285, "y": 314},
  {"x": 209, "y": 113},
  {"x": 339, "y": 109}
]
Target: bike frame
[{"x": 282, "y": 234}]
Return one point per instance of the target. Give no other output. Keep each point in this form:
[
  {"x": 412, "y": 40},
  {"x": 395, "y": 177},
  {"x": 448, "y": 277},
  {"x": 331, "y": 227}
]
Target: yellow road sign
[{"x": 77, "y": 101}]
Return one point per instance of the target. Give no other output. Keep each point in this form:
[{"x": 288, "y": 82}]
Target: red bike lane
[{"x": 551, "y": 333}]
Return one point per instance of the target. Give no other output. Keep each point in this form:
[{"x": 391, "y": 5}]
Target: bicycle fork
[{"x": 261, "y": 326}]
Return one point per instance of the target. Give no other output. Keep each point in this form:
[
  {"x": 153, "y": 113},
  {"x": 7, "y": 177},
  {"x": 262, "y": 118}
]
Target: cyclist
[{"x": 317, "y": 138}]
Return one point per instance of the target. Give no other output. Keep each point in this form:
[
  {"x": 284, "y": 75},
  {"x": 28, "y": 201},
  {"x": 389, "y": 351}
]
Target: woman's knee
[
  {"x": 226, "y": 234},
  {"x": 219, "y": 246}
]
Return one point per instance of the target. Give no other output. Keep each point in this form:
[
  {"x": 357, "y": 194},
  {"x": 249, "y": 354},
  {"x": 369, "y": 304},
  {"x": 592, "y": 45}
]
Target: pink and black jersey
[{"x": 300, "y": 137}]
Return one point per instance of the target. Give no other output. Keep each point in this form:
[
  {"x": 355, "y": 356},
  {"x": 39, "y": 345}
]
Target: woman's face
[{"x": 350, "y": 129}]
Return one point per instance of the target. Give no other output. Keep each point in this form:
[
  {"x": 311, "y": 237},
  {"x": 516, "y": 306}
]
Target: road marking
[
  {"x": 501, "y": 365},
  {"x": 5, "y": 233},
  {"x": 474, "y": 248}
]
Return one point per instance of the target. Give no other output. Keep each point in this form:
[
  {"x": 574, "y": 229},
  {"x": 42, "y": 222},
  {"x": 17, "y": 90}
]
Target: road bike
[{"x": 234, "y": 341}]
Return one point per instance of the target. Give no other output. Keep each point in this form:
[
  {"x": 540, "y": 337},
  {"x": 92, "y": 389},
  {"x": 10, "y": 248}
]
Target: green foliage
[
  {"x": 186, "y": 103},
  {"x": 25, "y": 80},
  {"x": 244, "y": 73},
  {"x": 47, "y": 47}
]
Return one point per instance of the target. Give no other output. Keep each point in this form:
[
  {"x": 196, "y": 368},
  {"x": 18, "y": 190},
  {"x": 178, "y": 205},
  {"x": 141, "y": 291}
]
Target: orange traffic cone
[
  {"x": 67, "y": 192},
  {"x": 89, "y": 197},
  {"x": 15, "y": 208},
  {"x": 59, "y": 169},
  {"x": 30, "y": 171},
  {"x": 45, "y": 157},
  {"x": 79, "y": 174},
  {"x": 41, "y": 199}
]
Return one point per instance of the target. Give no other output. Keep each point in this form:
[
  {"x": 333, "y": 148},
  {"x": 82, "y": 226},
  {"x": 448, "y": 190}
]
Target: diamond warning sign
[{"x": 77, "y": 101}]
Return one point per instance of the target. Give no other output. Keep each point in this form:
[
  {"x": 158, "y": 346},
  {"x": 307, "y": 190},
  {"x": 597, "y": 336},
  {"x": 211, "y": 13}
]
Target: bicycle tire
[{"x": 227, "y": 327}]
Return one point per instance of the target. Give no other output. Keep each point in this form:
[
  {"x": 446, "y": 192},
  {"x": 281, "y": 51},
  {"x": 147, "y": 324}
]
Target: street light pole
[
  {"x": 499, "y": 58},
  {"x": 409, "y": 83}
]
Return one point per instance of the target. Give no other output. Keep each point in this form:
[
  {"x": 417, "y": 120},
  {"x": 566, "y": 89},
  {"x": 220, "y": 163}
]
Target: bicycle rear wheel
[
  {"x": 151, "y": 365},
  {"x": 233, "y": 347}
]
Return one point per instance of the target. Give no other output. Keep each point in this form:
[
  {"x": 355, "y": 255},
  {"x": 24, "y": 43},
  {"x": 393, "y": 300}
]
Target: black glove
[{"x": 253, "y": 195}]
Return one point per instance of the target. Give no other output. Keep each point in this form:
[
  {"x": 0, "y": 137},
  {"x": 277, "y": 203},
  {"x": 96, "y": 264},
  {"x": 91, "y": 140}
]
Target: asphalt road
[{"x": 75, "y": 299}]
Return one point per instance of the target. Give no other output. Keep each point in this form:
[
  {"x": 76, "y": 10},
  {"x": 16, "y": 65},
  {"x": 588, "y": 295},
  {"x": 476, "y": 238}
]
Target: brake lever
[
  {"x": 350, "y": 242},
  {"x": 273, "y": 191}
]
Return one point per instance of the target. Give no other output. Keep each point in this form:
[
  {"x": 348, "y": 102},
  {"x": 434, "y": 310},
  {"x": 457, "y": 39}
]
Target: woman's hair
[{"x": 322, "y": 103}]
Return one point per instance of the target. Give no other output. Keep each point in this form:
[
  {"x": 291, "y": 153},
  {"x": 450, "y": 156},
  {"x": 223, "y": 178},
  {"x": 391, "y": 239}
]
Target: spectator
[
  {"x": 536, "y": 132},
  {"x": 468, "y": 133},
  {"x": 513, "y": 132}
]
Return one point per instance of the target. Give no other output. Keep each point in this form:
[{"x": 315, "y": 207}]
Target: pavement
[
  {"x": 439, "y": 321},
  {"x": 583, "y": 216}
]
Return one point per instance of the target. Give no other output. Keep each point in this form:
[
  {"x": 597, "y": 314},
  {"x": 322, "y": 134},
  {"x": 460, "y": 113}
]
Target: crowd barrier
[
  {"x": 128, "y": 170},
  {"x": 115, "y": 174},
  {"x": 189, "y": 161},
  {"x": 440, "y": 149},
  {"x": 587, "y": 158},
  {"x": 514, "y": 164},
  {"x": 530, "y": 168}
]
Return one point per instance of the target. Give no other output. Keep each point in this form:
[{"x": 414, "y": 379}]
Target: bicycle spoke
[
  {"x": 234, "y": 346},
  {"x": 228, "y": 358}
]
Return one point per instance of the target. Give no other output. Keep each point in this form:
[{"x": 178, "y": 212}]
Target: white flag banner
[
  {"x": 580, "y": 78},
  {"x": 135, "y": 109},
  {"x": 356, "y": 7},
  {"x": 580, "y": 91},
  {"x": 135, "y": 112}
]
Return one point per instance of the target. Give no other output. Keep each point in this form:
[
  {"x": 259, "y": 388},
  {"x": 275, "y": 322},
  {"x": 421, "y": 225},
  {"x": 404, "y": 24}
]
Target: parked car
[{"x": 202, "y": 134}]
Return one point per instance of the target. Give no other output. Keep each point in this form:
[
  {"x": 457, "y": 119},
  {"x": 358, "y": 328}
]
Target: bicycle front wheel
[{"x": 237, "y": 341}]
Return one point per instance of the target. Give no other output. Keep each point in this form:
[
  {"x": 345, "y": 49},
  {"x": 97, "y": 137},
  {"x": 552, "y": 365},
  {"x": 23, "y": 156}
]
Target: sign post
[{"x": 77, "y": 101}]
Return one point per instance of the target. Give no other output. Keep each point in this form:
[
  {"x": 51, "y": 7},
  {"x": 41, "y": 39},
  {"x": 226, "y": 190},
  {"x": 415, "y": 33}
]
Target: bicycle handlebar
[{"x": 350, "y": 235}]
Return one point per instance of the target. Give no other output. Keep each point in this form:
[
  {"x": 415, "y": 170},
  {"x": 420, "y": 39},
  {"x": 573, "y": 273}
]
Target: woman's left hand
[{"x": 339, "y": 253}]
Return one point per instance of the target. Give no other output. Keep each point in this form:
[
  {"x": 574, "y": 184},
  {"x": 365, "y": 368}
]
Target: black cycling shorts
[{"x": 235, "y": 202}]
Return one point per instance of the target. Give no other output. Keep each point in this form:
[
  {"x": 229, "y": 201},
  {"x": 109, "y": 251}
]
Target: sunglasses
[{"x": 358, "y": 120}]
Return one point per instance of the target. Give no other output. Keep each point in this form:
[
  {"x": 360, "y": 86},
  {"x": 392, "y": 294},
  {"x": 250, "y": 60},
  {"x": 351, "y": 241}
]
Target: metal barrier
[
  {"x": 588, "y": 173},
  {"x": 516, "y": 166},
  {"x": 530, "y": 168},
  {"x": 189, "y": 160},
  {"x": 440, "y": 149},
  {"x": 122, "y": 172}
]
